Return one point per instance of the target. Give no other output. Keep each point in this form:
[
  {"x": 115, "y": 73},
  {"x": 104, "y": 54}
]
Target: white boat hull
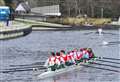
[{"x": 60, "y": 71}]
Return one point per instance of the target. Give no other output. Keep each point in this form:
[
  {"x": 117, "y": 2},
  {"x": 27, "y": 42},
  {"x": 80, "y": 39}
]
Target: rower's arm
[{"x": 46, "y": 63}]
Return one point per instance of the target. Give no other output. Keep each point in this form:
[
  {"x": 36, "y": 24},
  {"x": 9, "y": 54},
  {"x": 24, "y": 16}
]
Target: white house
[{"x": 23, "y": 8}]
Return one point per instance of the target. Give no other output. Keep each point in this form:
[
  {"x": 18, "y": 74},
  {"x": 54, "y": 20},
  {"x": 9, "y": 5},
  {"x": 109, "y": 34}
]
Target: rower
[
  {"x": 50, "y": 62},
  {"x": 66, "y": 58},
  {"x": 91, "y": 54},
  {"x": 59, "y": 61},
  {"x": 74, "y": 52},
  {"x": 79, "y": 56},
  {"x": 85, "y": 55},
  {"x": 70, "y": 58},
  {"x": 63, "y": 55}
]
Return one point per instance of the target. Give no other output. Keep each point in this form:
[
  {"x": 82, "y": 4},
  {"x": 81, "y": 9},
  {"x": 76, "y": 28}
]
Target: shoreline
[
  {"x": 37, "y": 25},
  {"x": 25, "y": 27},
  {"x": 14, "y": 31}
]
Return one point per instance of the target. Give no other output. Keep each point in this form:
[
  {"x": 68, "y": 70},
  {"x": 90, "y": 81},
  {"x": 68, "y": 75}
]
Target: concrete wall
[{"x": 13, "y": 33}]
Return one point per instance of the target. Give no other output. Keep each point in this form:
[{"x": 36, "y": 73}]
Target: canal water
[{"x": 35, "y": 47}]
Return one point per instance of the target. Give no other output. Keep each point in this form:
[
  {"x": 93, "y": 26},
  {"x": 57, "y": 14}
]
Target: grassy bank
[
  {"x": 80, "y": 21},
  {"x": 39, "y": 23}
]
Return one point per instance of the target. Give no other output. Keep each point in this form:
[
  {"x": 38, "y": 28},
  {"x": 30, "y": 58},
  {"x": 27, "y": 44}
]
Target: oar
[
  {"x": 26, "y": 66},
  {"x": 19, "y": 70},
  {"x": 36, "y": 63},
  {"x": 36, "y": 66},
  {"x": 108, "y": 58},
  {"x": 107, "y": 61},
  {"x": 16, "y": 70},
  {"x": 100, "y": 68},
  {"x": 104, "y": 64},
  {"x": 29, "y": 68}
]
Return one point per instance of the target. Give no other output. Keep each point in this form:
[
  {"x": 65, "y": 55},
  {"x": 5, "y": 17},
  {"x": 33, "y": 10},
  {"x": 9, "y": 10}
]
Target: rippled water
[{"x": 35, "y": 47}]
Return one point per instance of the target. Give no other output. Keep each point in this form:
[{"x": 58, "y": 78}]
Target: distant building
[
  {"x": 53, "y": 10},
  {"x": 23, "y": 8}
]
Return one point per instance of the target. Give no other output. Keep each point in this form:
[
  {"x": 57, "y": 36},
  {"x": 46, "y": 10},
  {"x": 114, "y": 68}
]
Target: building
[
  {"x": 23, "y": 8},
  {"x": 53, "y": 10}
]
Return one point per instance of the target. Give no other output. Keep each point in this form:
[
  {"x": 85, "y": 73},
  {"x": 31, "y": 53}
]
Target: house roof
[{"x": 23, "y": 7}]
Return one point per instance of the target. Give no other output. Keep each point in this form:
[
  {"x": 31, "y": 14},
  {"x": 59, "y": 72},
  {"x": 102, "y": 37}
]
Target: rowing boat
[{"x": 60, "y": 71}]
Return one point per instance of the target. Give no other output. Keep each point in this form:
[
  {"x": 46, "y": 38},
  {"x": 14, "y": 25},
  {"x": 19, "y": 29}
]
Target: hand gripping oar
[{"x": 108, "y": 58}]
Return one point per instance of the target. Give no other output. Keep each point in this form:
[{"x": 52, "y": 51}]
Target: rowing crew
[{"x": 60, "y": 59}]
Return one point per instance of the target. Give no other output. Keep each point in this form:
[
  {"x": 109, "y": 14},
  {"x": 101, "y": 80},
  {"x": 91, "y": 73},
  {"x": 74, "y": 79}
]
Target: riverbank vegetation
[{"x": 80, "y": 21}]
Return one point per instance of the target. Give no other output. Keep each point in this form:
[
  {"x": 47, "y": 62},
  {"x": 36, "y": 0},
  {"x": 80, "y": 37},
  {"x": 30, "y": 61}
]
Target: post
[{"x": 102, "y": 10}]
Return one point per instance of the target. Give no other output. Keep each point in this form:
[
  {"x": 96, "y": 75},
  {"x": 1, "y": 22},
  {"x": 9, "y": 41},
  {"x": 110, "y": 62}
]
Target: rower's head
[
  {"x": 84, "y": 48},
  {"x": 72, "y": 51},
  {"x": 68, "y": 52},
  {"x": 62, "y": 51},
  {"x": 52, "y": 53},
  {"x": 89, "y": 49},
  {"x": 57, "y": 53},
  {"x": 81, "y": 49},
  {"x": 75, "y": 49}
]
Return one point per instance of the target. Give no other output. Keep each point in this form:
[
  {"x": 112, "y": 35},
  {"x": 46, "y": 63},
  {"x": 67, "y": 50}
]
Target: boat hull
[{"x": 60, "y": 71}]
